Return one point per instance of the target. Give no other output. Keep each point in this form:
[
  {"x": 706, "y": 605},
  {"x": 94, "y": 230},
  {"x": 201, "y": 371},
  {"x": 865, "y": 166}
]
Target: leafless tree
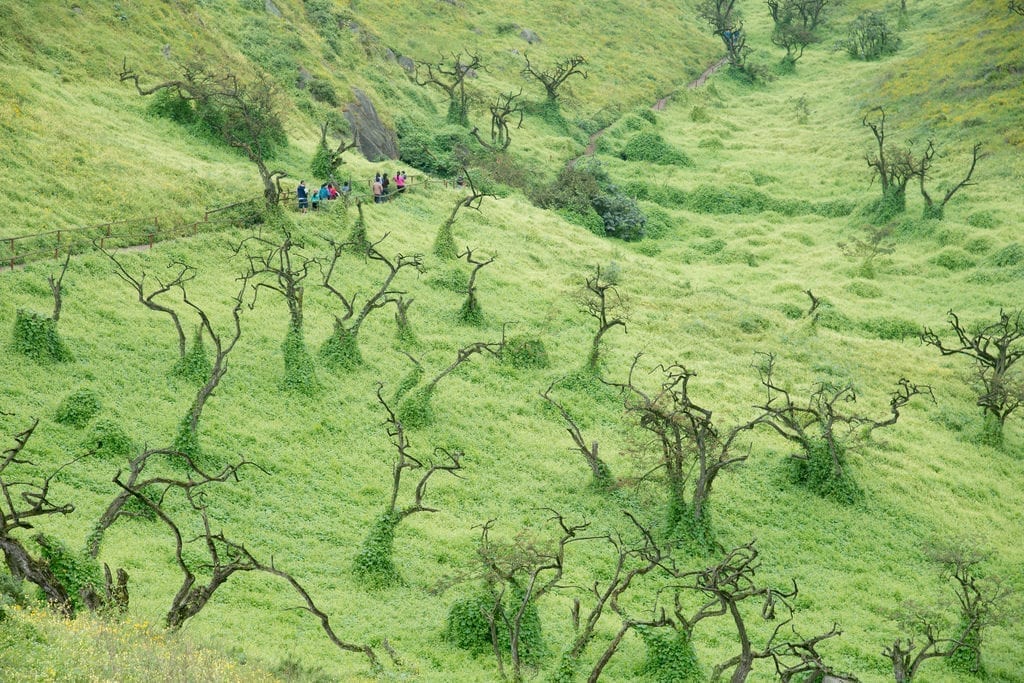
[
  {"x": 182, "y": 275},
  {"x": 449, "y": 73},
  {"x": 995, "y": 350},
  {"x": 57, "y": 288},
  {"x": 821, "y": 428},
  {"x": 907, "y": 655},
  {"x": 21, "y": 502},
  {"x": 691, "y": 450},
  {"x": 922, "y": 169},
  {"x": 471, "y": 311},
  {"x": 244, "y": 113},
  {"x": 225, "y": 558},
  {"x": 555, "y": 76},
  {"x": 877, "y": 241},
  {"x": 600, "y": 299},
  {"x": 342, "y": 347},
  {"x": 277, "y": 265},
  {"x": 726, "y": 587},
  {"x": 374, "y": 563},
  {"x": 503, "y": 112},
  {"x": 415, "y": 410},
  {"x": 633, "y": 560},
  {"x": 444, "y": 244},
  {"x": 602, "y": 476},
  {"x": 333, "y": 158}
]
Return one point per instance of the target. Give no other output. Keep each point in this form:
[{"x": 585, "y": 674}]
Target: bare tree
[
  {"x": 449, "y": 73},
  {"x": 329, "y": 160},
  {"x": 444, "y": 243},
  {"x": 225, "y": 558},
  {"x": 21, "y": 502},
  {"x": 415, "y": 410},
  {"x": 600, "y": 299},
  {"x": 245, "y": 114},
  {"x": 503, "y": 111},
  {"x": 995, "y": 350},
  {"x": 555, "y": 76},
  {"x": 877, "y": 241},
  {"x": 342, "y": 347},
  {"x": 35, "y": 334},
  {"x": 907, "y": 655},
  {"x": 471, "y": 312},
  {"x": 602, "y": 476},
  {"x": 822, "y": 429},
  {"x": 278, "y": 266},
  {"x": 691, "y": 450},
  {"x": 375, "y": 564},
  {"x": 634, "y": 559},
  {"x": 183, "y": 274},
  {"x": 924, "y": 165},
  {"x": 726, "y": 587}
]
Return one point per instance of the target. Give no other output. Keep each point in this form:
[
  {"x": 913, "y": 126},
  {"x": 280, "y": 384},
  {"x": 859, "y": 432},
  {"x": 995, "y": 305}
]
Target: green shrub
[
  {"x": 869, "y": 37},
  {"x": 73, "y": 570},
  {"x": 320, "y": 165},
  {"x": 1009, "y": 256},
  {"x": 752, "y": 323},
  {"x": 953, "y": 259},
  {"x": 11, "y": 593},
  {"x": 891, "y": 328},
  {"x": 471, "y": 312},
  {"x": 78, "y": 408},
  {"x": 466, "y": 626},
  {"x": 36, "y": 337},
  {"x": 709, "y": 247},
  {"x": 865, "y": 290},
  {"x": 791, "y": 311},
  {"x": 525, "y": 353},
  {"x": 453, "y": 279},
  {"x": 444, "y": 243},
  {"x": 374, "y": 563},
  {"x": 415, "y": 411},
  {"x": 830, "y": 317},
  {"x": 299, "y": 372},
  {"x": 659, "y": 222},
  {"x": 670, "y": 656},
  {"x": 410, "y": 380},
  {"x": 621, "y": 215},
  {"x": 699, "y": 115},
  {"x": 133, "y": 507},
  {"x": 109, "y": 439},
  {"x": 341, "y": 349},
  {"x": 815, "y": 471},
  {"x": 322, "y": 91},
  {"x": 186, "y": 442},
  {"x": 195, "y": 366},
  {"x": 648, "y": 146},
  {"x": 589, "y": 220},
  {"x": 983, "y": 219}
]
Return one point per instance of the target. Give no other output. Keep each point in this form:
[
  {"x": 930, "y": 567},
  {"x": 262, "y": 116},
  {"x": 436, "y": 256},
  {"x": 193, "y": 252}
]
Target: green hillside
[{"x": 764, "y": 232}]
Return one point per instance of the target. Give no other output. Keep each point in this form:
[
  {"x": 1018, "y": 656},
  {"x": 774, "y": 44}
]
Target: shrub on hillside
[
  {"x": 299, "y": 372},
  {"x": 869, "y": 37},
  {"x": 525, "y": 352},
  {"x": 953, "y": 259},
  {"x": 585, "y": 188},
  {"x": 650, "y": 147},
  {"x": 78, "y": 408},
  {"x": 1009, "y": 256},
  {"x": 73, "y": 570},
  {"x": 670, "y": 656},
  {"x": 36, "y": 336},
  {"x": 891, "y": 328},
  {"x": 195, "y": 366},
  {"x": 109, "y": 439}
]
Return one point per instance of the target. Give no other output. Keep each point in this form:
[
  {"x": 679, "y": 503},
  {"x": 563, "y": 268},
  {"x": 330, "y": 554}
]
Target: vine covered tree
[
  {"x": 933, "y": 208},
  {"x": 374, "y": 564},
  {"x": 601, "y": 473},
  {"x": 243, "y": 113},
  {"x": 35, "y": 334},
  {"x": 444, "y": 243},
  {"x": 326, "y": 160},
  {"x": 600, "y": 299},
  {"x": 471, "y": 312},
  {"x": 995, "y": 349},
  {"x": 690, "y": 449},
  {"x": 503, "y": 112},
  {"x": 894, "y": 167}
]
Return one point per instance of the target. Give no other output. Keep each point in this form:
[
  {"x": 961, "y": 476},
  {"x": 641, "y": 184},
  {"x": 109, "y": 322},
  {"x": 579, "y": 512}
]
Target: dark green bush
[
  {"x": 791, "y": 311},
  {"x": 1009, "y": 256},
  {"x": 815, "y": 471},
  {"x": 299, "y": 371},
  {"x": 36, "y": 336},
  {"x": 78, "y": 408},
  {"x": 953, "y": 259},
  {"x": 433, "y": 151},
  {"x": 621, "y": 215},
  {"x": 869, "y": 37},
  {"x": 374, "y": 563},
  {"x": 109, "y": 439},
  {"x": 341, "y": 349},
  {"x": 752, "y": 323},
  {"x": 444, "y": 243},
  {"x": 471, "y": 312},
  {"x": 467, "y": 626},
  {"x": 415, "y": 411},
  {"x": 454, "y": 279},
  {"x": 982, "y": 219},
  {"x": 195, "y": 366},
  {"x": 590, "y": 220},
  {"x": 891, "y": 328},
  {"x": 525, "y": 353},
  {"x": 648, "y": 146},
  {"x": 186, "y": 441},
  {"x": 670, "y": 656},
  {"x": 322, "y": 91},
  {"x": 830, "y": 317},
  {"x": 585, "y": 187},
  {"x": 320, "y": 165}
]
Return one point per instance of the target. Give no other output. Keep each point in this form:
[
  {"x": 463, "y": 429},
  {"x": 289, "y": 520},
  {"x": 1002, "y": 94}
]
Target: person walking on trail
[
  {"x": 399, "y": 182},
  {"x": 303, "y": 196},
  {"x": 378, "y": 190},
  {"x": 384, "y": 184}
]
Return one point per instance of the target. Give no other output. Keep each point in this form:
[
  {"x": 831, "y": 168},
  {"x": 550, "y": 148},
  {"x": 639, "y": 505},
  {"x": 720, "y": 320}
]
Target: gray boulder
[{"x": 374, "y": 140}]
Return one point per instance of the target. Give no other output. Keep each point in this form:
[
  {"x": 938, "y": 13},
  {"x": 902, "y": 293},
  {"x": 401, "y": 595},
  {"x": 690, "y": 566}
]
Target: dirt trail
[{"x": 660, "y": 104}]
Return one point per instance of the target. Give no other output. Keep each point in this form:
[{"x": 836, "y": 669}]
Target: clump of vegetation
[
  {"x": 870, "y": 37},
  {"x": 36, "y": 337},
  {"x": 650, "y": 147},
  {"x": 341, "y": 349},
  {"x": 525, "y": 353},
  {"x": 195, "y": 366},
  {"x": 109, "y": 439},
  {"x": 78, "y": 408},
  {"x": 670, "y": 657},
  {"x": 584, "y": 189},
  {"x": 299, "y": 370},
  {"x": 374, "y": 564},
  {"x": 73, "y": 570}
]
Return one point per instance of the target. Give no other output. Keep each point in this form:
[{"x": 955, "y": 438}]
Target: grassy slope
[{"x": 711, "y": 311}]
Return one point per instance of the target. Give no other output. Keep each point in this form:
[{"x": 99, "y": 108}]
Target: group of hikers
[
  {"x": 382, "y": 191},
  {"x": 309, "y": 199}
]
